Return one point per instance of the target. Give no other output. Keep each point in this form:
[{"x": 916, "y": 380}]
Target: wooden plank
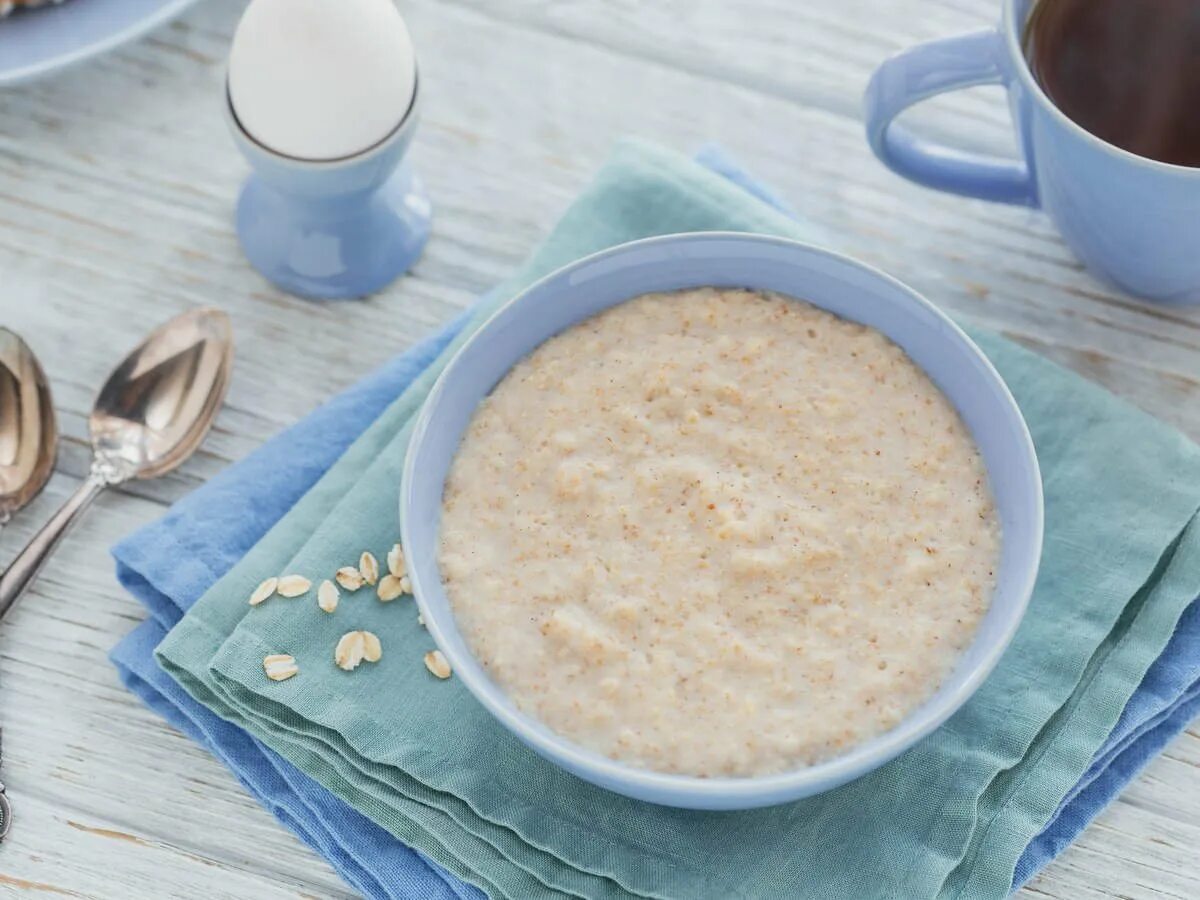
[
  {"x": 68, "y": 854},
  {"x": 104, "y": 793}
]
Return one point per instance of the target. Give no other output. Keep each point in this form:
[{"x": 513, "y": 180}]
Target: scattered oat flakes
[
  {"x": 327, "y": 596},
  {"x": 390, "y": 587},
  {"x": 263, "y": 591},
  {"x": 420, "y": 620},
  {"x": 368, "y": 565},
  {"x": 293, "y": 585},
  {"x": 349, "y": 578},
  {"x": 405, "y": 585},
  {"x": 395, "y": 561},
  {"x": 436, "y": 663},
  {"x": 280, "y": 666},
  {"x": 372, "y": 649}
]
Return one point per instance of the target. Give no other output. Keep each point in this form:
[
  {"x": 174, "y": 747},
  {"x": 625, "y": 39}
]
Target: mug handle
[{"x": 920, "y": 73}]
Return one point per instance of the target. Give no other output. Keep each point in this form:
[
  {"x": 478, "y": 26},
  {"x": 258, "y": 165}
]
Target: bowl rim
[{"x": 692, "y": 791}]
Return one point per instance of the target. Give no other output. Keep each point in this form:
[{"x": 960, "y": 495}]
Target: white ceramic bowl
[{"x": 842, "y": 286}]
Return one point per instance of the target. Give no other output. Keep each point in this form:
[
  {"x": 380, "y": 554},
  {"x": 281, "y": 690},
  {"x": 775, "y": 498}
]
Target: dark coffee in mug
[{"x": 1128, "y": 71}]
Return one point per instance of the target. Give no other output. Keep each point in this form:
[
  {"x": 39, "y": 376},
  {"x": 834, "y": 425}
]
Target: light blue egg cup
[{"x": 331, "y": 229}]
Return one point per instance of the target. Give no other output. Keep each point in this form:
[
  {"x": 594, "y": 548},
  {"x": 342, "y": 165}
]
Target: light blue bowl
[{"x": 840, "y": 285}]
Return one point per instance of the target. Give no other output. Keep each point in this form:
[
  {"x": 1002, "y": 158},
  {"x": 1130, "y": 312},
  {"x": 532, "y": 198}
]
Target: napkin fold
[{"x": 1051, "y": 736}]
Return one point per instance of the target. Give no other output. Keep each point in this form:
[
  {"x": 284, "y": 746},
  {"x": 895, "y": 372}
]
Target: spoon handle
[{"x": 20, "y": 572}]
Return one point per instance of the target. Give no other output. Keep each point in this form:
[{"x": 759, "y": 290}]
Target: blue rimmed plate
[{"x": 36, "y": 42}]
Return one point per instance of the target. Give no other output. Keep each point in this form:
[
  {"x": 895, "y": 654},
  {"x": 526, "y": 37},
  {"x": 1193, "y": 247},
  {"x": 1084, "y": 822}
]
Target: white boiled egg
[{"x": 321, "y": 79}]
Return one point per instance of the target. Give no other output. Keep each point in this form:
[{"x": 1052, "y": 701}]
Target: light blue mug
[{"x": 1133, "y": 220}]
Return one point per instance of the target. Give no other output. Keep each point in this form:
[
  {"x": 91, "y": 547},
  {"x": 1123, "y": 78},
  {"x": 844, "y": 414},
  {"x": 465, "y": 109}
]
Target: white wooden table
[{"x": 117, "y": 182}]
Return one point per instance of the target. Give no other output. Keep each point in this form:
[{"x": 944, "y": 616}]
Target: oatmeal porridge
[{"x": 718, "y": 532}]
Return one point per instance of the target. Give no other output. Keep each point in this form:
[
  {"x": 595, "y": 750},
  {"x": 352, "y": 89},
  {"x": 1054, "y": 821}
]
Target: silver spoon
[
  {"x": 28, "y": 433},
  {"x": 28, "y": 445},
  {"x": 153, "y": 411}
]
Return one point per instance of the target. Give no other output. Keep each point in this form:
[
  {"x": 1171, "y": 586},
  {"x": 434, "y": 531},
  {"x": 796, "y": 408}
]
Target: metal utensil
[
  {"x": 28, "y": 445},
  {"x": 28, "y": 433},
  {"x": 150, "y": 416},
  {"x": 5, "y": 808},
  {"x": 29, "y": 438}
]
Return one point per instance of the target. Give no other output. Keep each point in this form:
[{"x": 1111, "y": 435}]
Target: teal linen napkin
[{"x": 948, "y": 818}]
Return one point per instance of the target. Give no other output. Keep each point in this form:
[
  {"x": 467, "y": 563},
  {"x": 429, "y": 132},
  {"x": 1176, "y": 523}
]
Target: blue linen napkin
[
  {"x": 205, "y": 534},
  {"x": 1165, "y": 703},
  {"x": 216, "y": 525}
]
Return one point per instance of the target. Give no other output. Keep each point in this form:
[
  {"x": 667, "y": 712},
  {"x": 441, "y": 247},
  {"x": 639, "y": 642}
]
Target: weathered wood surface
[{"x": 116, "y": 187}]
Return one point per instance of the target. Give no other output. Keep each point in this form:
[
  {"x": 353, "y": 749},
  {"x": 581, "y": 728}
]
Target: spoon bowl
[
  {"x": 28, "y": 433},
  {"x": 158, "y": 404},
  {"x": 152, "y": 413}
]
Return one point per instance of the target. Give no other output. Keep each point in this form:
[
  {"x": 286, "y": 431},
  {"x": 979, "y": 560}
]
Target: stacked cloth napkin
[{"x": 365, "y": 765}]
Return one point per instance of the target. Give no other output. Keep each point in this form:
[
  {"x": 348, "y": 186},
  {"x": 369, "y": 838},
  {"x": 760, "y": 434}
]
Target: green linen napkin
[{"x": 948, "y": 818}]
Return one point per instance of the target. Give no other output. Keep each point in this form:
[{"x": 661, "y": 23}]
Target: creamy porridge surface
[{"x": 719, "y": 533}]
